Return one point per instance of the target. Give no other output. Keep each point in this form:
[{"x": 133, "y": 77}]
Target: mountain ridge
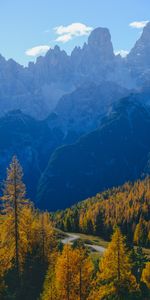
[
  {"x": 37, "y": 89},
  {"x": 78, "y": 171}
]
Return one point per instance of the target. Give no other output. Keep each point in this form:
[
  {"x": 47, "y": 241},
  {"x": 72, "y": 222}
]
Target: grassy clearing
[
  {"x": 92, "y": 240},
  {"x": 60, "y": 234}
]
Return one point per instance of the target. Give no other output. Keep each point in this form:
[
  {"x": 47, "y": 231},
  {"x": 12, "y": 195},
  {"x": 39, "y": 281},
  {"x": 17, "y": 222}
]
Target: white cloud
[
  {"x": 66, "y": 33},
  {"x": 123, "y": 53},
  {"x": 138, "y": 24},
  {"x": 64, "y": 38},
  {"x": 38, "y": 50}
]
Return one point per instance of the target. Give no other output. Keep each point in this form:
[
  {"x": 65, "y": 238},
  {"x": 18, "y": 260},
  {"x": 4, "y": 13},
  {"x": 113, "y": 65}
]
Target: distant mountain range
[
  {"x": 77, "y": 123},
  {"x": 37, "y": 88}
]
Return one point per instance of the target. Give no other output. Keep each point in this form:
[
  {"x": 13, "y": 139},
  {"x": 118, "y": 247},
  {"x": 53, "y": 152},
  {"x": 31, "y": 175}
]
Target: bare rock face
[
  {"x": 51, "y": 77},
  {"x": 139, "y": 58},
  {"x": 83, "y": 110},
  {"x": 100, "y": 42},
  {"x": 95, "y": 61},
  {"x": 139, "y": 55}
]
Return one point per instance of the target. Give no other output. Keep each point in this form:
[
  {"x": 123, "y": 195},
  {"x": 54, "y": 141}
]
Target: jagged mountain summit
[
  {"x": 37, "y": 89},
  {"x": 96, "y": 59},
  {"x": 139, "y": 59}
]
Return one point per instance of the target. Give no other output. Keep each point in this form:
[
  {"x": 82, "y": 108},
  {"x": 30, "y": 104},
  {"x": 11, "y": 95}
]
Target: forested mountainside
[
  {"x": 127, "y": 206},
  {"x": 37, "y": 263}
]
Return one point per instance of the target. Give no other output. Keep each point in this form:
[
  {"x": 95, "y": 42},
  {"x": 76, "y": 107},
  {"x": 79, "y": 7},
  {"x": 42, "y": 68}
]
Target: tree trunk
[
  {"x": 80, "y": 282},
  {"x": 118, "y": 259},
  {"x": 68, "y": 277}
]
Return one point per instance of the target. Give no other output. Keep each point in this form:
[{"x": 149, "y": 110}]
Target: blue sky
[{"x": 26, "y": 24}]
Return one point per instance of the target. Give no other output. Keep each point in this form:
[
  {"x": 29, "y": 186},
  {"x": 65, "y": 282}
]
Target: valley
[{"x": 75, "y": 156}]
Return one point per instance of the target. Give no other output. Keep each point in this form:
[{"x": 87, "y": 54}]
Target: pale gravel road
[{"x": 73, "y": 237}]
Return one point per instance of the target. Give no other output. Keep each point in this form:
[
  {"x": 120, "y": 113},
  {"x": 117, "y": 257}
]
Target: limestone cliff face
[
  {"x": 138, "y": 59},
  {"x": 139, "y": 56}
]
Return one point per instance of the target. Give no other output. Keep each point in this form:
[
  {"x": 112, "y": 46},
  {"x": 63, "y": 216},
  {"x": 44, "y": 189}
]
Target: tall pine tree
[
  {"x": 115, "y": 277},
  {"x": 13, "y": 200}
]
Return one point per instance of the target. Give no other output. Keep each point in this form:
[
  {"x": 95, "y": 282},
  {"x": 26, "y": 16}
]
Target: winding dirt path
[{"x": 73, "y": 237}]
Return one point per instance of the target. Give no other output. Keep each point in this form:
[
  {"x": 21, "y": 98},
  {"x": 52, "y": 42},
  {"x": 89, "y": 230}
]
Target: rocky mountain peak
[
  {"x": 96, "y": 58},
  {"x": 139, "y": 55},
  {"x": 100, "y": 42},
  {"x": 146, "y": 33},
  {"x": 99, "y": 37}
]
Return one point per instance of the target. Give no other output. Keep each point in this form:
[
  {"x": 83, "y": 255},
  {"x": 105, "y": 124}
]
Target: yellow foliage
[
  {"x": 146, "y": 275},
  {"x": 73, "y": 274},
  {"x": 115, "y": 269}
]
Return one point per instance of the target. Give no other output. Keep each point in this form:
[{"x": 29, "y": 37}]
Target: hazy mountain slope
[
  {"x": 32, "y": 141},
  {"x": 109, "y": 156},
  {"x": 82, "y": 110}
]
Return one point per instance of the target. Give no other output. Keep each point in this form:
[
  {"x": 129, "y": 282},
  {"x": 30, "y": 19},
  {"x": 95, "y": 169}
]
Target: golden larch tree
[
  {"x": 146, "y": 275},
  {"x": 13, "y": 200},
  {"x": 73, "y": 273},
  {"x": 115, "y": 277}
]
